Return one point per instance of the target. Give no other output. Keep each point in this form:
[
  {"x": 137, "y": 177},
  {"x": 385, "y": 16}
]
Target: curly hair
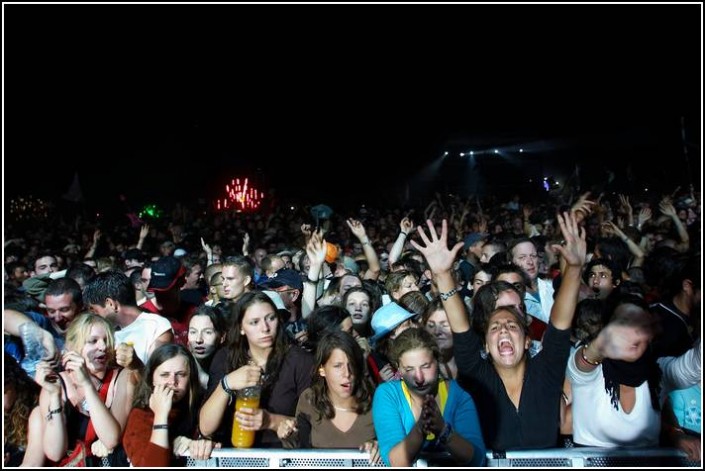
[{"x": 27, "y": 397}]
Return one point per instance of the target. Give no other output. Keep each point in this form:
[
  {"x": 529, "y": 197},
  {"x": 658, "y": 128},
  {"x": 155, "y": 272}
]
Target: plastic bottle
[
  {"x": 247, "y": 397},
  {"x": 34, "y": 351}
]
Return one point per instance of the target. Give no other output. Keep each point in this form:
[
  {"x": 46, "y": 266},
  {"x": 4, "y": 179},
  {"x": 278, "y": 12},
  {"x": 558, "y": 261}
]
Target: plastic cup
[{"x": 247, "y": 397}]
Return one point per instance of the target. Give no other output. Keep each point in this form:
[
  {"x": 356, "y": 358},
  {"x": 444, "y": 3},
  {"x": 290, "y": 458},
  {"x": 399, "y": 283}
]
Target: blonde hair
[{"x": 80, "y": 329}]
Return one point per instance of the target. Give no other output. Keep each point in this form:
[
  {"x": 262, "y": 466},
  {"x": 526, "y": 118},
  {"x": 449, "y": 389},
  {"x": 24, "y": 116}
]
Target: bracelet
[
  {"x": 160, "y": 427},
  {"x": 226, "y": 387},
  {"x": 445, "y": 296},
  {"x": 367, "y": 242},
  {"x": 585, "y": 358},
  {"x": 406, "y": 234},
  {"x": 311, "y": 281},
  {"x": 445, "y": 434},
  {"x": 51, "y": 413}
]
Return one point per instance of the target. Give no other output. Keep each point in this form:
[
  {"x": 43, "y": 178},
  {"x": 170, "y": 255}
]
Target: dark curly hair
[{"x": 27, "y": 397}]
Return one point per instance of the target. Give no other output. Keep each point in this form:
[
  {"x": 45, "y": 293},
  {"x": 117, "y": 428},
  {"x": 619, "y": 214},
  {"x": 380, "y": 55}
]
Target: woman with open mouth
[
  {"x": 335, "y": 412},
  {"x": 90, "y": 394}
]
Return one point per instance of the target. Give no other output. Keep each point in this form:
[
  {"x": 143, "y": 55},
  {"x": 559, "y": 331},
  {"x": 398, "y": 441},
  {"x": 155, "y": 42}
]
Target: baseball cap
[
  {"x": 282, "y": 277},
  {"x": 166, "y": 271}
]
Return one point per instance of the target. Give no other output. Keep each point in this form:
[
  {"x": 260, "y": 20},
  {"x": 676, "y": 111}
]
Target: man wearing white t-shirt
[{"x": 111, "y": 295}]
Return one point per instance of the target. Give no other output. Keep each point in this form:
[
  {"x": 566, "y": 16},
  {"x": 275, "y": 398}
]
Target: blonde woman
[{"x": 87, "y": 402}]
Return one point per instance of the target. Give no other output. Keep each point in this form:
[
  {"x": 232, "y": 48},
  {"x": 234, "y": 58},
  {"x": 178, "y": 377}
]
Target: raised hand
[
  {"x": 406, "y": 225},
  {"x": 575, "y": 248},
  {"x": 357, "y": 228},
  {"x": 207, "y": 248},
  {"x": 435, "y": 249}
]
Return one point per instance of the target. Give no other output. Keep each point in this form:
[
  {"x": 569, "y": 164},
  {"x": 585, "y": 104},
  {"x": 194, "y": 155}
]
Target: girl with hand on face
[
  {"x": 84, "y": 407},
  {"x": 256, "y": 352},
  {"x": 335, "y": 412},
  {"x": 165, "y": 411}
]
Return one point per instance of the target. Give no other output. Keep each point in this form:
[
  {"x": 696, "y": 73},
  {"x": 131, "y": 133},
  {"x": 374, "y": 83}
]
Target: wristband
[
  {"x": 226, "y": 387},
  {"x": 445, "y": 434},
  {"x": 160, "y": 427},
  {"x": 51, "y": 413}
]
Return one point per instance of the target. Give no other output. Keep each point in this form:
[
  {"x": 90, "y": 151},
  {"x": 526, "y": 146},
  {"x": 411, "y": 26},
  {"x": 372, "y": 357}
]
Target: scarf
[{"x": 618, "y": 372}]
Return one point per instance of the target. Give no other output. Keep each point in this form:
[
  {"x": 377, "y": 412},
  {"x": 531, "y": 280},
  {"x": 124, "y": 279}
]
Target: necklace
[{"x": 343, "y": 409}]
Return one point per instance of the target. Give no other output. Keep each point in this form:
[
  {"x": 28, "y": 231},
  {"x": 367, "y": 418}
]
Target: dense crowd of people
[{"x": 447, "y": 331}]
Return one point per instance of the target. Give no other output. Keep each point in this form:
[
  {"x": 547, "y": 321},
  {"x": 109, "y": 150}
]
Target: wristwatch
[{"x": 445, "y": 434}]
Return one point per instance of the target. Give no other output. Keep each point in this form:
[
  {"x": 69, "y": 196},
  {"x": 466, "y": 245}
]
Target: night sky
[{"x": 367, "y": 95}]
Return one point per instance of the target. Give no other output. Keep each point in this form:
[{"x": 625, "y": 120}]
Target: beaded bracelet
[
  {"x": 445, "y": 296},
  {"x": 585, "y": 358}
]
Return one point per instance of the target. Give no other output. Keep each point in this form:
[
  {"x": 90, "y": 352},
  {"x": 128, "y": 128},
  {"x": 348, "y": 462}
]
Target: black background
[{"x": 168, "y": 102}]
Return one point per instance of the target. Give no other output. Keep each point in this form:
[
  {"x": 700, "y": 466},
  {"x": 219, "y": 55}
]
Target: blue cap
[{"x": 387, "y": 318}]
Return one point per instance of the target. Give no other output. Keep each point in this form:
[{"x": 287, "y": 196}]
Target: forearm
[
  {"x": 34, "y": 453},
  {"x": 308, "y": 300},
  {"x": 272, "y": 420},
  {"x": 397, "y": 248},
  {"x": 454, "y": 307},
  {"x": 106, "y": 426},
  {"x": 12, "y": 320},
  {"x": 373, "y": 271},
  {"x": 566, "y": 299},
  {"x": 212, "y": 412},
  {"x": 404, "y": 452},
  {"x": 462, "y": 450},
  {"x": 55, "y": 436}
]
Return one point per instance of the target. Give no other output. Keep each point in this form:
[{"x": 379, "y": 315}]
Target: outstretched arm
[
  {"x": 440, "y": 260},
  {"x": 573, "y": 254}
]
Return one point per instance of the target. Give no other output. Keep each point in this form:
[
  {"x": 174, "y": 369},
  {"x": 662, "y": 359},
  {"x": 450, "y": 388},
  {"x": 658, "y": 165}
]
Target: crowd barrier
[
  {"x": 589, "y": 457},
  {"x": 283, "y": 458},
  {"x": 578, "y": 457}
]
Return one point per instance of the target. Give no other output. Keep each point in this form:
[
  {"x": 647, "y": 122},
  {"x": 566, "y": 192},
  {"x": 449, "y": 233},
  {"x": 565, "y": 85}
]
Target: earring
[
  {"x": 321, "y": 372},
  {"x": 242, "y": 332}
]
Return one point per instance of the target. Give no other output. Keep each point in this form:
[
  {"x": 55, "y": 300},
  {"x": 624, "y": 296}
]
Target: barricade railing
[
  {"x": 588, "y": 457},
  {"x": 285, "y": 458}
]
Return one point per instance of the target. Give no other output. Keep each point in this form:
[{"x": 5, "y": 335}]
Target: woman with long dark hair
[
  {"x": 257, "y": 352},
  {"x": 335, "y": 412}
]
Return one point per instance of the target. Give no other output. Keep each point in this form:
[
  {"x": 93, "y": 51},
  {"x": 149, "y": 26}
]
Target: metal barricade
[
  {"x": 283, "y": 458},
  {"x": 590, "y": 457}
]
